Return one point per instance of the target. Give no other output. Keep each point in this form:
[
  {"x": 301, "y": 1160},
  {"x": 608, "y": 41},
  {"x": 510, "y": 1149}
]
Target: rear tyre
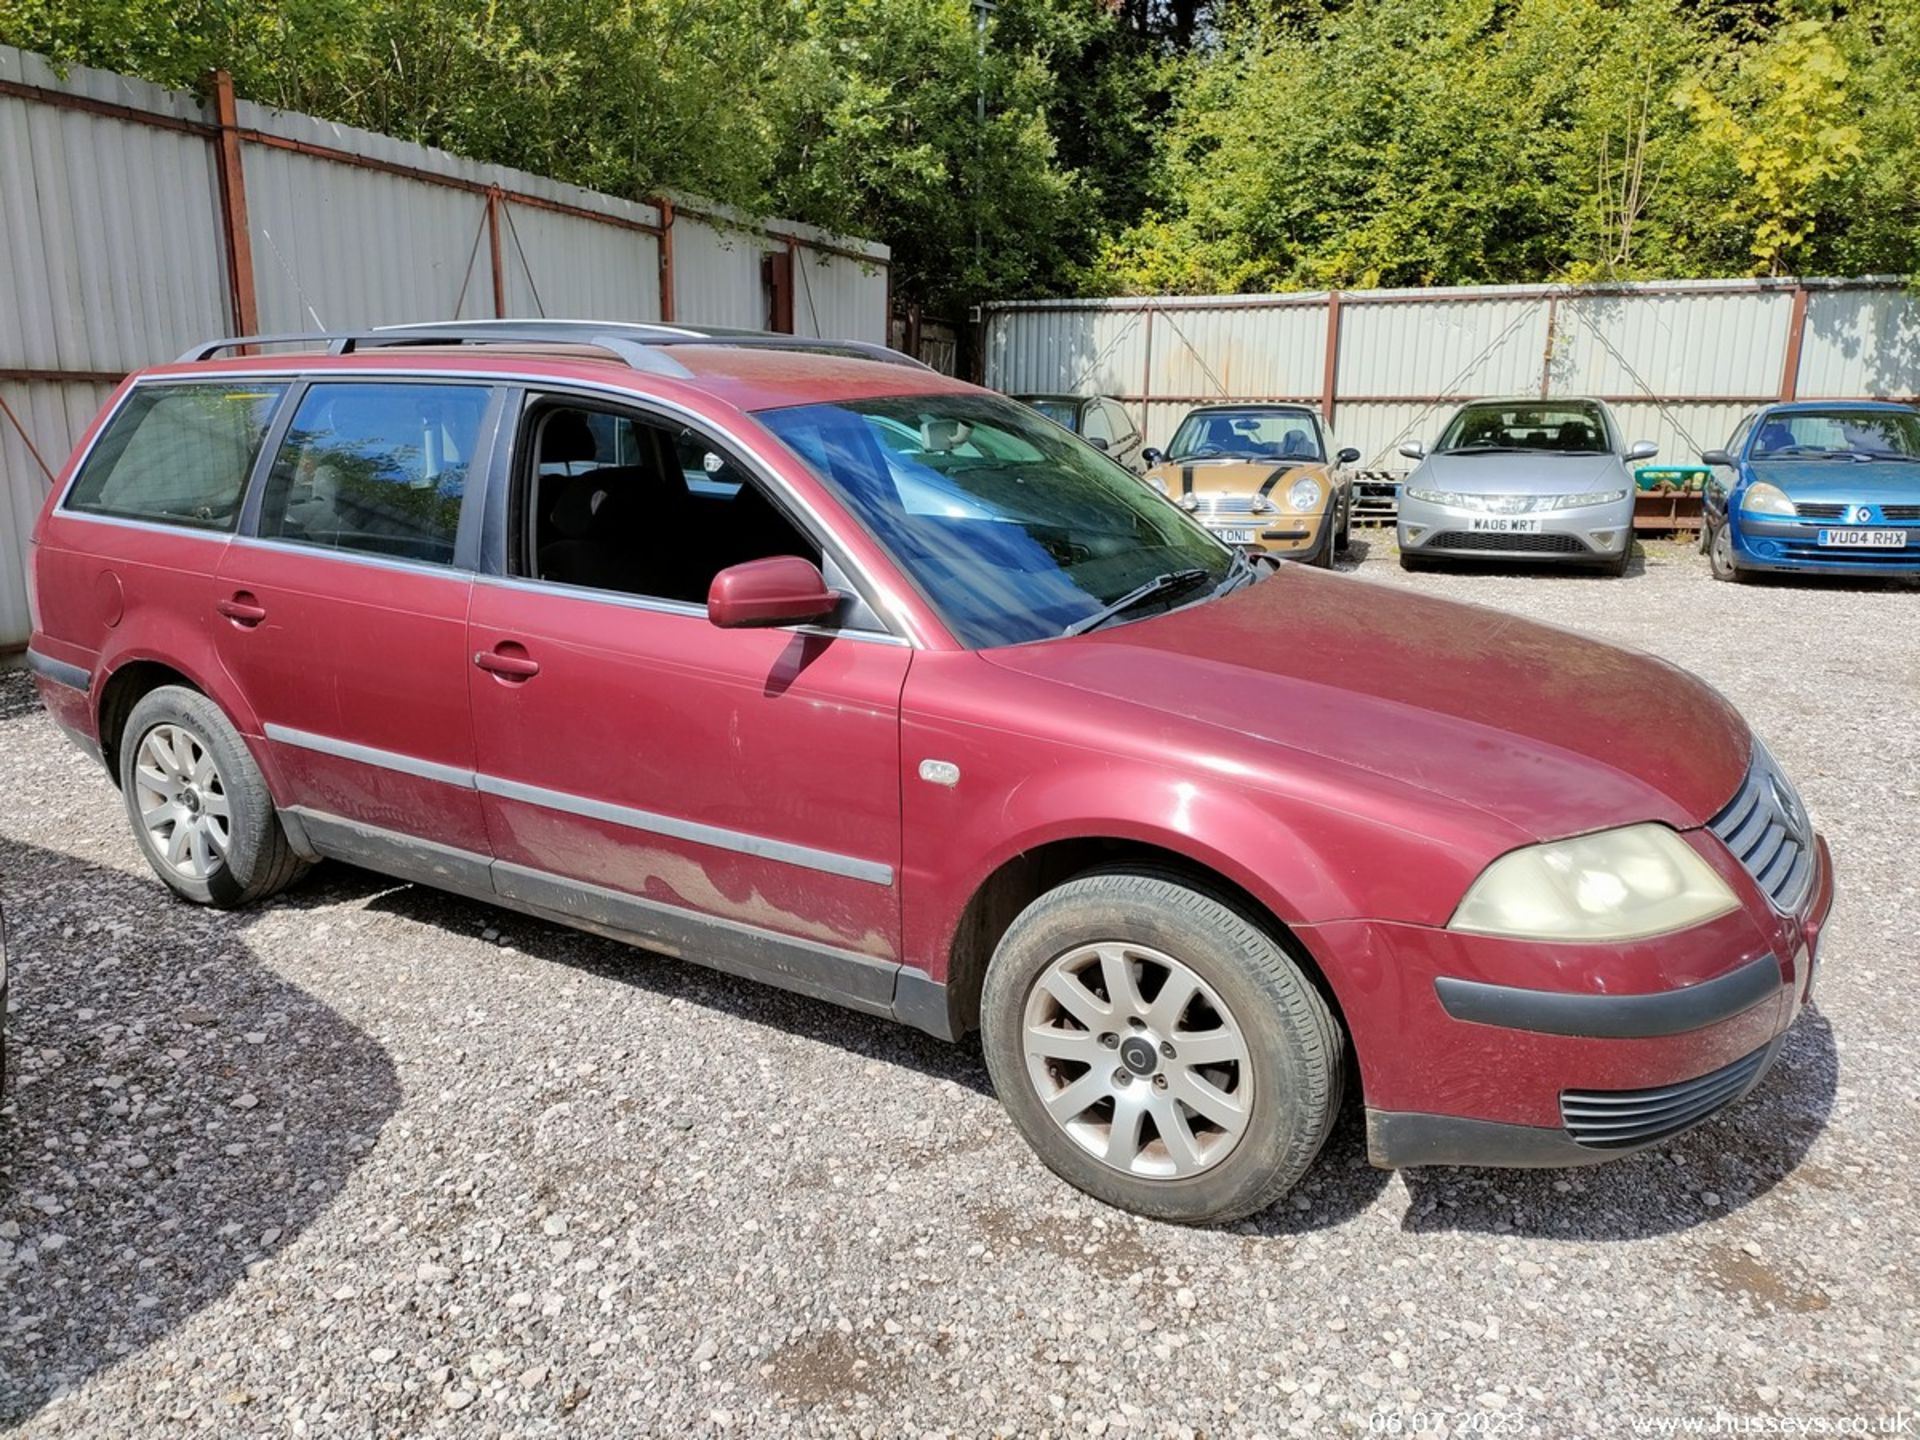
[
  {"x": 199, "y": 805},
  {"x": 1158, "y": 1050}
]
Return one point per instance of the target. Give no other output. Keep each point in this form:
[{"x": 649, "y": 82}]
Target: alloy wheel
[
  {"x": 182, "y": 801},
  {"x": 1138, "y": 1060}
]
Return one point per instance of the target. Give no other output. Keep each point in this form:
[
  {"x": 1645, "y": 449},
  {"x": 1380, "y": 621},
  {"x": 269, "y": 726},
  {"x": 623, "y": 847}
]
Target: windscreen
[
  {"x": 1247, "y": 435},
  {"x": 1012, "y": 529},
  {"x": 1567, "y": 428}
]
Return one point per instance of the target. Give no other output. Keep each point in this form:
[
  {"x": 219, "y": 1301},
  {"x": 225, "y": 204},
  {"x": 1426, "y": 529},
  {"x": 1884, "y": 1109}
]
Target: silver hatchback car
[{"x": 1533, "y": 480}]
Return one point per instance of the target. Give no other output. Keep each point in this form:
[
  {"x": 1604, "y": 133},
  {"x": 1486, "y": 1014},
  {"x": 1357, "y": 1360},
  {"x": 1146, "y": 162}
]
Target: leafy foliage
[{"x": 1138, "y": 145}]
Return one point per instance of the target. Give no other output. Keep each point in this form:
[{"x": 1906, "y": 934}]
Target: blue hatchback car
[{"x": 1829, "y": 487}]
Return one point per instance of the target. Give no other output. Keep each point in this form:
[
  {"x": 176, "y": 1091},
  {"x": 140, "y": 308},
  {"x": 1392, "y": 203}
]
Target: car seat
[{"x": 1774, "y": 435}]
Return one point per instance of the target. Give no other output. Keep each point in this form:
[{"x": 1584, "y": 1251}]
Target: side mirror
[
  {"x": 1715, "y": 457},
  {"x": 1348, "y": 456},
  {"x": 1642, "y": 450},
  {"x": 1414, "y": 450},
  {"x": 1151, "y": 457},
  {"x": 1097, "y": 442},
  {"x": 780, "y": 590}
]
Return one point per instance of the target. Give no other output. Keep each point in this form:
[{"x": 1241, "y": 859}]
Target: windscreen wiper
[{"x": 1167, "y": 584}]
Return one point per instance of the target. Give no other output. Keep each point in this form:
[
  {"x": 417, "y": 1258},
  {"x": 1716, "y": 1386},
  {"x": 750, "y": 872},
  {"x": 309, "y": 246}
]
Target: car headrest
[{"x": 566, "y": 439}]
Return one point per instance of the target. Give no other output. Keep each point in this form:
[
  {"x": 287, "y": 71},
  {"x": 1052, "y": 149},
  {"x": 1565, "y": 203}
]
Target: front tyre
[
  {"x": 1158, "y": 1050},
  {"x": 1720, "y": 553},
  {"x": 199, "y": 805}
]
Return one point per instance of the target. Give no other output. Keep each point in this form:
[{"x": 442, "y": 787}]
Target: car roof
[
  {"x": 1291, "y": 407},
  {"x": 1902, "y": 406},
  {"x": 745, "y": 376}
]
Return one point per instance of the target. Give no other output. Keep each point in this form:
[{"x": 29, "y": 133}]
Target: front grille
[
  {"x": 1498, "y": 543},
  {"x": 1901, "y": 512},
  {"x": 1819, "y": 510},
  {"x": 1767, "y": 829},
  {"x": 1212, "y": 507},
  {"x": 1619, "y": 1119}
]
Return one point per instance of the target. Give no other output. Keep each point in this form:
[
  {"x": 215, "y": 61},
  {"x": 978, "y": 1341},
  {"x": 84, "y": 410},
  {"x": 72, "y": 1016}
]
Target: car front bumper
[
  {"x": 1476, "y": 1050},
  {"x": 1286, "y": 534},
  {"x": 1582, "y": 536},
  {"x": 1784, "y": 544}
]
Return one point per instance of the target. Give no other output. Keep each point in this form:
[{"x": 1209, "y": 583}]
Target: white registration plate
[
  {"x": 1865, "y": 539},
  {"x": 1504, "y": 524},
  {"x": 1236, "y": 537}
]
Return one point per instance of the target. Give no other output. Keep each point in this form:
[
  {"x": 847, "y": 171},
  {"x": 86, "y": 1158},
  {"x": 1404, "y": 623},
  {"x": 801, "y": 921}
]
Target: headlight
[
  {"x": 1765, "y": 499},
  {"x": 1616, "y": 885},
  {"x": 1304, "y": 493},
  {"x": 1188, "y": 502},
  {"x": 1592, "y": 497},
  {"x": 1440, "y": 497},
  {"x": 1157, "y": 483}
]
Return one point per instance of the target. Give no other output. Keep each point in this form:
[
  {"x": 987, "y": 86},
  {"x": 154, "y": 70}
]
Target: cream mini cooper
[{"x": 1264, "y": 477}]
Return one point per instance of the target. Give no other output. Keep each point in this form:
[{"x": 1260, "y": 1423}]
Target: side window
[
  {"x": 658, "y": 517},
  {"x": 1098, "y": 425},
  {"x": 179, "y": 454},
  {"x": 377, "y": 469}
]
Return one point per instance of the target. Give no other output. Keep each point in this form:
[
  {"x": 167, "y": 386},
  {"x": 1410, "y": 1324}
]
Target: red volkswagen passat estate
[{"x": 802, "y": 661}]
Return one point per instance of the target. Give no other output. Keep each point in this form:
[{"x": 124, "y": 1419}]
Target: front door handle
[
  {"x": 243, "y": 609},
  {"x": 509, "y": 662}
]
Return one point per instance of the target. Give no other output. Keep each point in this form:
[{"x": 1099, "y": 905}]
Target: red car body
[{"x": 1347, "y": 756}]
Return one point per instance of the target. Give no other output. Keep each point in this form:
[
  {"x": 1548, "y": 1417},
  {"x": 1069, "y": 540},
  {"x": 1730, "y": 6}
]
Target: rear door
[
  {"x": 342, "y": 616},
  {"x": 729, "y": 795}
]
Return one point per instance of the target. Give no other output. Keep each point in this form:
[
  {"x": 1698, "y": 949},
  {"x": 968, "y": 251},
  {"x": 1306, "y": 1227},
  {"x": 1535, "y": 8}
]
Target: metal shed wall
[
  {"x": 1679, "y": 361},
  {"x": 122, "y": 243}
]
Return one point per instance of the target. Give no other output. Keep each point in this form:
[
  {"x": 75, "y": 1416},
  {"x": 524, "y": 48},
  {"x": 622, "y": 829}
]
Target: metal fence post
[
  {"x": 233, "y": 207},
  {"x": 1796, "y": 334},
  {"x": 665, "y": 207},
  {"x": 1330, "y": 374}
]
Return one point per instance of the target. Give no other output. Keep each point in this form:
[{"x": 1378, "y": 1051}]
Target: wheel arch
[
  {"x": 134, "y": 675},
  {"x": 1021, "y": 878}
]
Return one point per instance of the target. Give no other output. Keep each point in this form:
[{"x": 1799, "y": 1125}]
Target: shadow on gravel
[
  {"x": 1737, "y": 1156},
  {"x": 883, "y": 1040},
  {"x": 176, "y": 1113}
]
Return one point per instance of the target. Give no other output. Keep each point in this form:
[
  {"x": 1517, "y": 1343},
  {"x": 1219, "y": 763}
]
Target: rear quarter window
[{"x": 177, "y": 455}]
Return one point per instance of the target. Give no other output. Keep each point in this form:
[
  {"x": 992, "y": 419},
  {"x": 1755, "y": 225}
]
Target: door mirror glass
[
  {"x": 780, "y": 590},
  {"x": 1715, "y": 457},
  {"x": 1642, "y": 450},
  {"x": 1414, "y": 450},
  {"x": 1348, "y": 456}
]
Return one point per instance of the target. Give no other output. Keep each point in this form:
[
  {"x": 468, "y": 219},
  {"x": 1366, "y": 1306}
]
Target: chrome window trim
[
  {"x": 890, "y": 605},
  {"x": 741, "y": 842},
  {"x": 828, "y": 862},
  {"x": 673, "y": 607},
  {"x": 449, "y": 571}
]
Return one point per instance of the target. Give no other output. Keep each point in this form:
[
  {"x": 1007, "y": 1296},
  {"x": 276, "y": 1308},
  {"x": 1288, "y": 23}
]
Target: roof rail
[{"x": 639, "y": 345}]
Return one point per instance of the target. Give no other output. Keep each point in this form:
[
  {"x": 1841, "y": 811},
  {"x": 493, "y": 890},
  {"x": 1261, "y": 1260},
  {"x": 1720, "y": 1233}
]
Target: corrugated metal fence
[
  {"x": 1679, "y": 361},
  {"x": 135, "y": 221}
]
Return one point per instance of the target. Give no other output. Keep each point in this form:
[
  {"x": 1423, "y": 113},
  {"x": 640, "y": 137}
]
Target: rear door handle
[
  {"x": 507, "y": 664},
  {"x": 243, "y": 609}
]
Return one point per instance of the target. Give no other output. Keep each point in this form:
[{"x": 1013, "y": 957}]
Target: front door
[
  {"x": 729, "y": 795},
  {"x": 342, "y": 617}
]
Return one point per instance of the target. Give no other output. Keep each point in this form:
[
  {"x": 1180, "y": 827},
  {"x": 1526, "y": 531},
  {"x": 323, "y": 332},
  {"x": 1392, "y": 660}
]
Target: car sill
[{"x": 806, "y": 967}]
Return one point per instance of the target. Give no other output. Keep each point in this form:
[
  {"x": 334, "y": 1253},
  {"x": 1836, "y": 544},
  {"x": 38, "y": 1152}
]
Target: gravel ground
[{"x": 377, "y": 1161}]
